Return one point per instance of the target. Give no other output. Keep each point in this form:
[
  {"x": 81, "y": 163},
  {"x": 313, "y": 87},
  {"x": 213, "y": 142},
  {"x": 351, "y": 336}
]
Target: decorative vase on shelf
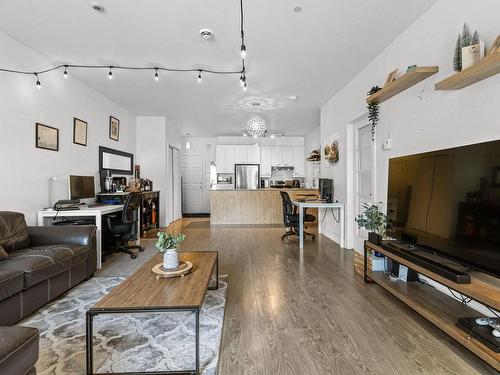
[{"x": 170, "y": 259}]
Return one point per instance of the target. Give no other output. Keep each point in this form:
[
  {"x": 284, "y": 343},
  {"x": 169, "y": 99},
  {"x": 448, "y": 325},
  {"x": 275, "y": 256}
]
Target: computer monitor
[
  {"x": 81, "y": 187},
  {"x": 326, "y": 189}
]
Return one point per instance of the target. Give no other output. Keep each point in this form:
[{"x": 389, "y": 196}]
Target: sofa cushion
[
  {"x": 18, "y": 350},
  {"x": 3, "y": 254},
  {"x": 40, "y": 263},
  {"x": 11, "y": 282},
  {"x": 13, "y": 231}
]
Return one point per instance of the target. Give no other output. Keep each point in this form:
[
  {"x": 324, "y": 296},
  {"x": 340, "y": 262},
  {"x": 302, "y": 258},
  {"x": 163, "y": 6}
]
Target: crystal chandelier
[{"x": 256, "y": 126}]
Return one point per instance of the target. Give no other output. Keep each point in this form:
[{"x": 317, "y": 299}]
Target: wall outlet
[{"x": 387, "y": 144}]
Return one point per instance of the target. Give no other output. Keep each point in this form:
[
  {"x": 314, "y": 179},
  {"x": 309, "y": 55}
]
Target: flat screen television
[{"x": 448, "y": 201}]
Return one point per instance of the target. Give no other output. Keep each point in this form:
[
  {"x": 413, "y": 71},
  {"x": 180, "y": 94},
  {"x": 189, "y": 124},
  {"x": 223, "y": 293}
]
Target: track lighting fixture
[
  {"x": 241, "y": 72},
  {"x": 38, "y": 84}
]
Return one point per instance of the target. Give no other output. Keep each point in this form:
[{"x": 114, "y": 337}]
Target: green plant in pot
[
  {"x": 167, "y": 244},
  {"x": 374, "y": 221}
]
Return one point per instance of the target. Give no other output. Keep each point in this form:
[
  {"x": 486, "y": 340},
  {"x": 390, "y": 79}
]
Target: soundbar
[{"x": 439, "y": 265}]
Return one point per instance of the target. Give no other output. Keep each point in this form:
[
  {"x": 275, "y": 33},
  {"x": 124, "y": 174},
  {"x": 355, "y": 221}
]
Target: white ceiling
[{"x": 311, "y": 54}]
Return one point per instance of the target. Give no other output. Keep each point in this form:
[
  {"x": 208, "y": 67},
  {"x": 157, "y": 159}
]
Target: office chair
[
  {"x": 123, "y": 228},
  {"x": 291, "y": 218}
]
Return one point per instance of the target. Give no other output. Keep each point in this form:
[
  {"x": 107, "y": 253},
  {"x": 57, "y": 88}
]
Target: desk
[
  {"x": 316, "y": 204},
  {"x": 95, "y": 212}
]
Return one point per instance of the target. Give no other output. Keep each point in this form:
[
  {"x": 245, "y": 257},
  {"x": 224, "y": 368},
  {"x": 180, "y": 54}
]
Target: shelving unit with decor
[
  {"x": 476, "y": 73},
  {"x": 438, "y": 308},
  {"x": 150, "y": 211},
  {"x": 407, "y": 80}
]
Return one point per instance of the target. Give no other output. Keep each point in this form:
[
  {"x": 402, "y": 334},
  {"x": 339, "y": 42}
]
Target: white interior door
[
  {"x": 364, "y": 175},
  {"x": 192, "y": 184}
]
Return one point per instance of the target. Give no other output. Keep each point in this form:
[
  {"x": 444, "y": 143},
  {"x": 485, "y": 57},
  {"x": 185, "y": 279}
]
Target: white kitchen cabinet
[
  {"x": 299, "y": 162},
  {"x": 276, "y": 156},
  {"x": 287, "y": 156},
  {"x": 220, "y": 159},
  {"x": 230, "y": 159},
  {"x": 240, "y": 154},
  {"x": 265, "y": 161},
  {"x": 253, "y": 154}
]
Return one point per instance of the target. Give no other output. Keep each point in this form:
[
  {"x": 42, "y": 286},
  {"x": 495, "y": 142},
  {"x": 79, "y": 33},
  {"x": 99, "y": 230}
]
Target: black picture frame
[
  {"x": 111, "y": 135},
  {"x": 39, "y": 144},
  {"x": 75, "y": 122},
  {"x": 495, "y": 178}
]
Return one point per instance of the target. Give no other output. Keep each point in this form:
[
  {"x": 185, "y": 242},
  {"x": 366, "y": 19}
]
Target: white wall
[
  {"x": 419, "y": 119},
  {"x": 154, "y": 135},
  {"x": 25, "y": 170},
  {"x": 312, "y": 141}
]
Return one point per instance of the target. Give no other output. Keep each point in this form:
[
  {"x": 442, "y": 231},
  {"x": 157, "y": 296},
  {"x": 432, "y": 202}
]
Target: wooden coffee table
[{"x": 143, "y": 292}]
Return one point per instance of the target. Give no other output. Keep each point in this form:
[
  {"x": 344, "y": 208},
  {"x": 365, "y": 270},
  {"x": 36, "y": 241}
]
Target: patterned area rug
[{"x": 123, "y": 343}]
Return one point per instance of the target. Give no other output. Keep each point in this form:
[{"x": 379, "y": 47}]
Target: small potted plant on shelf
[
  {"x": 167, "y": 244},
  {"x": 374, "y": 221}
]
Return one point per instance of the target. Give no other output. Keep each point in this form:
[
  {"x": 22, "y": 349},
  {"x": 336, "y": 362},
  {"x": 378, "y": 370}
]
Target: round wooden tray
[{"x": 183, "y": 269}]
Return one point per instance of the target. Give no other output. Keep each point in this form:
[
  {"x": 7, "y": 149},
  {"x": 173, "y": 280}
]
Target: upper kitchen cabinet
[
  {"x": 276, "y": 156},
  {"x": 229, "y": 155},
  {"x": 299, "y": 162},
  {"x": 288, "y": 156},
  {"x": 253, "y": 154},
  {"x": 265, "y": 161}
]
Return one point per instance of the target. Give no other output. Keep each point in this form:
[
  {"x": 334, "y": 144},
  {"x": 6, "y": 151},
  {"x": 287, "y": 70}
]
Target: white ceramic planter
[{"x": 170, "y": 259}]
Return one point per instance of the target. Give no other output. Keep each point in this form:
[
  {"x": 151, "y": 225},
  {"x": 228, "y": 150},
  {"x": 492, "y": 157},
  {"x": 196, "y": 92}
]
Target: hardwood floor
[{"x": 289, "y": 313}]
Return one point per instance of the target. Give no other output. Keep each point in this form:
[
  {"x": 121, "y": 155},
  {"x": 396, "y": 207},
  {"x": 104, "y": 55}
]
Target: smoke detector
[
  {"x": 207, "y": 34},
  {"x": 97, "y": 6}
]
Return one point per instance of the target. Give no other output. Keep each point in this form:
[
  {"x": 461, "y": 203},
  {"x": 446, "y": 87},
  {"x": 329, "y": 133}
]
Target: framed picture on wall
[
  {"x": 79, "y": 132},
  {"x": 114, "y": 128},
  {"x": 46, "y": 137}
]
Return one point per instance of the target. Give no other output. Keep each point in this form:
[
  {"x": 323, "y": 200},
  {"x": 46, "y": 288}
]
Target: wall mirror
[{"x": 115, "y": 161}]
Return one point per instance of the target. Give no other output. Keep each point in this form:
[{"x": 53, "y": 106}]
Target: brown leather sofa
[
  {"x": 37, "y": 264},
  {"x": 18, "y": 350}
]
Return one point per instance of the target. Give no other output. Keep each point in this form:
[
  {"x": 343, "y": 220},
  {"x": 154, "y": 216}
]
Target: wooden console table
[{"x": 438, "y": 308}]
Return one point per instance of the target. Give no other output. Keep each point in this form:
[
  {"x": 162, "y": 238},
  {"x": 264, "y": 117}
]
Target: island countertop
[{"x": 256, "y": 206}]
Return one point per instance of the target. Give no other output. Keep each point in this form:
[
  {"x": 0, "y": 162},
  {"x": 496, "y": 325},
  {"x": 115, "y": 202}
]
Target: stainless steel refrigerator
[{"x": 246, "y": 176}]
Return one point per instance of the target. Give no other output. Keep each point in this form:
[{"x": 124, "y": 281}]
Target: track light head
[
  {"x": 245, "y": 87},
  {"x": 110, "y": 74},
  {"x": 199, "y": 76},
  {"x": 38, "y": 83},
  {"x": 157, "y": 77},
  {"x": 243, "y": 51},
  {"x": 65, "y": 74}
]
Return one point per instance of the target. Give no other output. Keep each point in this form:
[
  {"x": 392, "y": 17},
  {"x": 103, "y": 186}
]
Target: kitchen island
[{"x": 261, "y": 206}]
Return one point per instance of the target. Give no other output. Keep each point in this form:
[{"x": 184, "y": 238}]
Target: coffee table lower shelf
[{"x": 94, "y": 312}]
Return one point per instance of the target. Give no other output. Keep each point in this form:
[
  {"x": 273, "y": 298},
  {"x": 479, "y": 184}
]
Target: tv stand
[{"x": 440, "y": 309}]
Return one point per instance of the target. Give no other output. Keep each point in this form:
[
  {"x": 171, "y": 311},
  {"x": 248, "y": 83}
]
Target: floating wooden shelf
[
  {"x": 404, "y": 82},
  {"x": 486, "y": 68}
]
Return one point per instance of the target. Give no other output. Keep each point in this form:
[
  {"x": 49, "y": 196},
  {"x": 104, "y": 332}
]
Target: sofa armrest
[
  {"x": 71, "y": 234},
  {"x": 84, "y": 235}
]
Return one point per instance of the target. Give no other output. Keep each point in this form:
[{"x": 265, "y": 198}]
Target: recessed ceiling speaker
[{"x": 207, "y": 34}]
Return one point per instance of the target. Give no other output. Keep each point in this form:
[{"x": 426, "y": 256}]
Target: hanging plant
[{"x": 373, "y": 110}]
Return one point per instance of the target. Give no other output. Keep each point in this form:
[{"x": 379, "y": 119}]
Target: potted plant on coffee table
[
  {"x": 167, "y": 244},
  {"x": 374, "y": 221}
]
